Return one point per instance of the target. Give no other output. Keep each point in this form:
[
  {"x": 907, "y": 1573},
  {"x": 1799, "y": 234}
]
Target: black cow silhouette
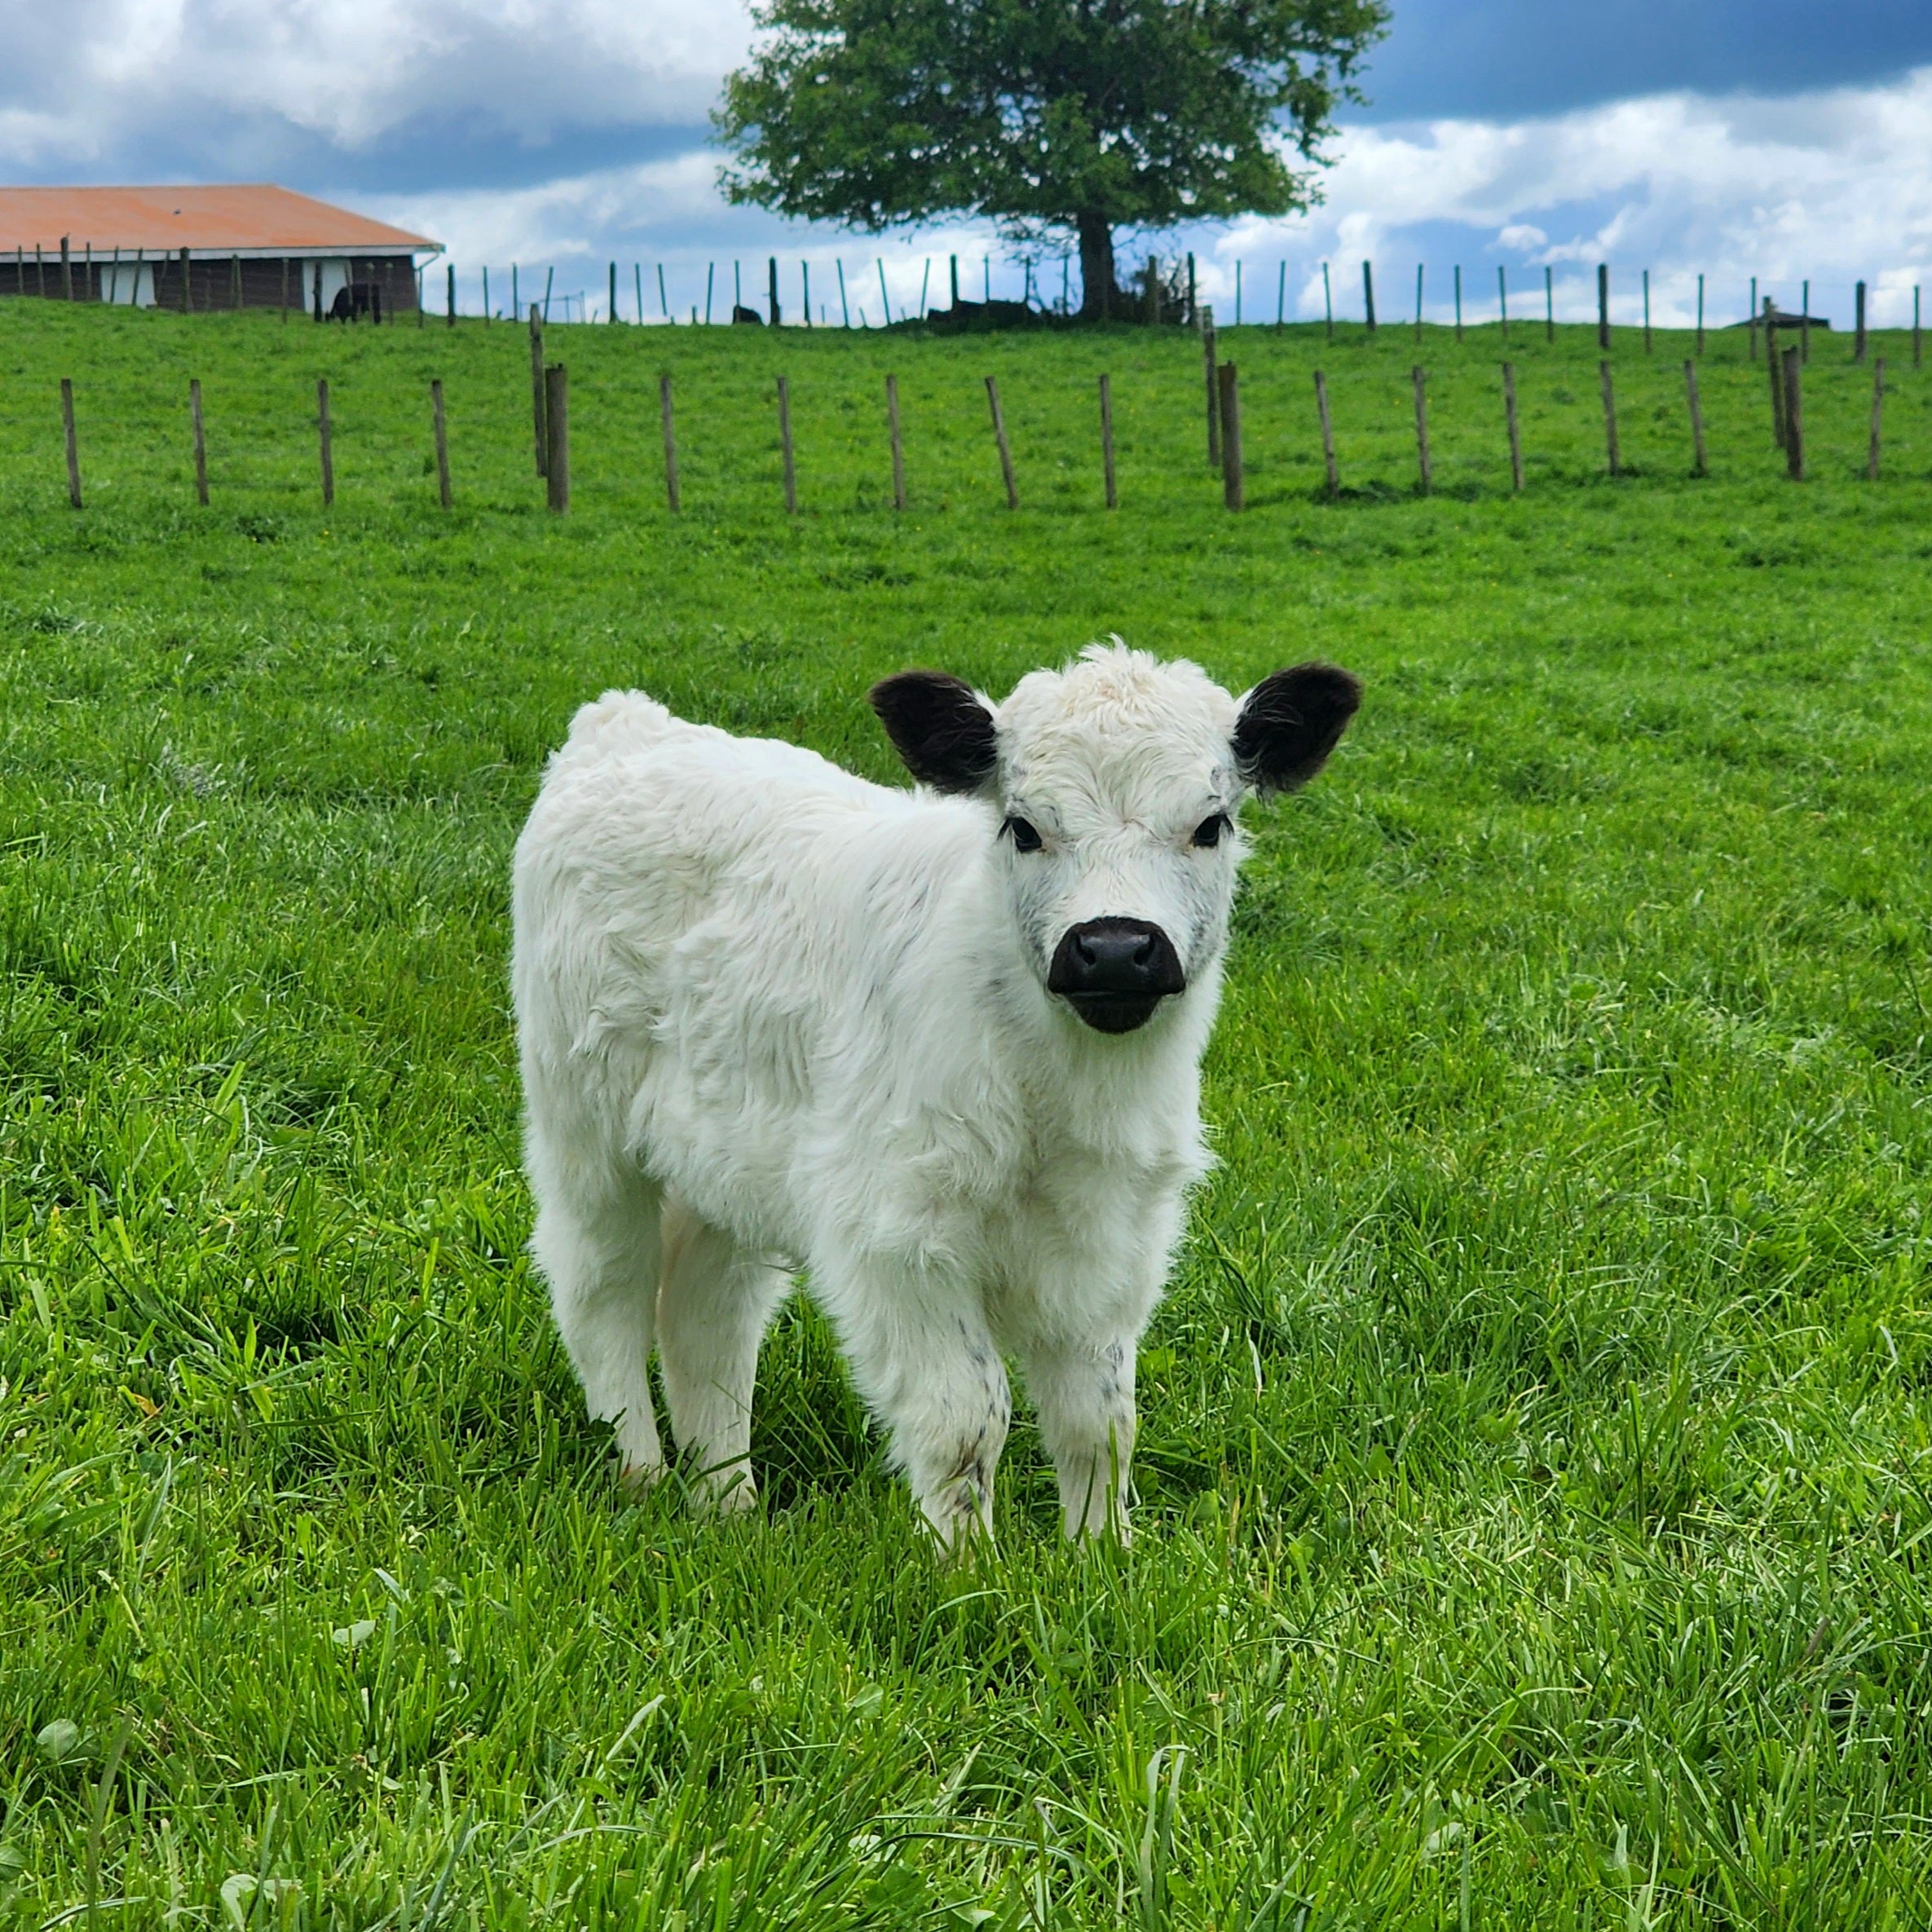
[{"x": 354, "y": 299}]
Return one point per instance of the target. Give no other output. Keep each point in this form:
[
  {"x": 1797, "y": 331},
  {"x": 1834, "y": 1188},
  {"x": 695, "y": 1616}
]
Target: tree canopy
[{"x": 1080, "y": 116}]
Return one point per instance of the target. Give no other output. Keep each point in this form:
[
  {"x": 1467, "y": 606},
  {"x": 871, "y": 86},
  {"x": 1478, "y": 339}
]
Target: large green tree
[{"x": 1048, "y": 115}]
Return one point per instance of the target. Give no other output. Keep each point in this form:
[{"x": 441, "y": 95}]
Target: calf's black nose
[{"x": 1114, "y": 973}]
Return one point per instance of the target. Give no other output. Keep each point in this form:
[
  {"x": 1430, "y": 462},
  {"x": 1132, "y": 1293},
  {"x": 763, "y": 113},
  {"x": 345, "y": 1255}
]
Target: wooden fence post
[
  {"x": 1107, "y": 442},
  {"x": 1422, "y": 424},
  {"x": 442, "y": 431},
  {"x": 66, "y": 270},
  {"x": 536, "y": 388},
  {"x": 1602, "y": 304},
  {"x": 611, "y": 317},
  {"x": 1877, "y": 416},
  {"x": 1859, "y": 347},
  {"x": 1233, "y": 487},
  {"x": 1328, "y": 434},
  {"x": 1509, "y": 411},
  {"x": 1208, "y": 353},
  {"x": 1777, "y": 375},
  {"x": 74, "y": 447},
  {"x": 1794, "y": 416},
  {"x": 1369, "y": 295},
  {"x": 188, "y": 291},
  {"x": 898, "y": 447},
  {"x": 670, "y": 429},
  {"x": 557, "y": 436},
  {"x": 1610, "y": 417},
  {"x": 194, "y": 411},
  {"x": 1006, "y": 454},
  {"x": 1699, "y": 467},
  {"x": 322, "y": 430},
  {"x": 771, "y": 268},
  {"x": 785, "y": 446},
  {"x": 449, "y": 312}
]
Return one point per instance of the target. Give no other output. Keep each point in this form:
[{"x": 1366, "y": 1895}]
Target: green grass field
[{"x": 1536, "y": 1479}]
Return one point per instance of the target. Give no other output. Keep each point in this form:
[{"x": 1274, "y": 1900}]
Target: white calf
[{"x": 938, "y": 1048}]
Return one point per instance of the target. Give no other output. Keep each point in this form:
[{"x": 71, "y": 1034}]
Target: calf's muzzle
[{"x": 1114, "y": 973}]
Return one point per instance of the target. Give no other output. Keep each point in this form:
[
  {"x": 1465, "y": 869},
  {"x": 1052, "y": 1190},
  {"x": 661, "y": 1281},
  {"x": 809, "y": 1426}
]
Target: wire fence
[
  {"x": 1839, "y": 416},
  {"x": 879, "y": 293}
]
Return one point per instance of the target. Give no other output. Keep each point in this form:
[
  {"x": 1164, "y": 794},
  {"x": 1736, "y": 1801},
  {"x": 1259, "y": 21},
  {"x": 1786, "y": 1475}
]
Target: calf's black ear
[
  {"x": 1290, "y": 723},
  {"x": 941, "y": 727}
]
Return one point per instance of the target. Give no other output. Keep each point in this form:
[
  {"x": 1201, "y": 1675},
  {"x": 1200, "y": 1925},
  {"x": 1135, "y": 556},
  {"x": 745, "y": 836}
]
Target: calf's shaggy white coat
[{"x": 772, "y": 1016}]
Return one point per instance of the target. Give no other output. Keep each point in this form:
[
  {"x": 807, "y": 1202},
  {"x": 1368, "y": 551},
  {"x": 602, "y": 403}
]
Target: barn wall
[{"x": 211, "y": 281}]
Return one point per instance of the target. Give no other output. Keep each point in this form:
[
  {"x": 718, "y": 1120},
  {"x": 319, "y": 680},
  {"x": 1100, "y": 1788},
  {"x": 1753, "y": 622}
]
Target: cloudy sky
[{"x": 1779, "y": 139}]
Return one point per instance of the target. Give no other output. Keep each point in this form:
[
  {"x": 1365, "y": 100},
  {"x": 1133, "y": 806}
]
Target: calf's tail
[{"x": 619, "y": 721}]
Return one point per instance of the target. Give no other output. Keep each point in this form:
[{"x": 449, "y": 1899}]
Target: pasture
[{"x": 1536, "y": 1465}]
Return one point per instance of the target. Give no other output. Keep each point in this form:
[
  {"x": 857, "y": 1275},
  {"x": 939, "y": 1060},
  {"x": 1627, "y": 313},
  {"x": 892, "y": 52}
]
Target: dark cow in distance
[{"x": 355, "y": 299}]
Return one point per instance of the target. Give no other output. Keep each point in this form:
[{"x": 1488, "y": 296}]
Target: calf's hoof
[{"x": 723, "y": 1492}]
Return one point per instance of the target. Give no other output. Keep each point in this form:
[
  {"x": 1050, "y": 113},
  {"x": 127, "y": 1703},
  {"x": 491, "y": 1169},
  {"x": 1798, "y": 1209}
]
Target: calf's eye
[
  {"x": 1023, "y": 836},
  {"x": 1209, "y": 831}
]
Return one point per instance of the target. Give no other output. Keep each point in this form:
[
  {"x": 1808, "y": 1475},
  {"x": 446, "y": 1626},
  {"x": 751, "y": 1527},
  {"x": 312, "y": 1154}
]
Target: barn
[{"x": 199, "y": 248}]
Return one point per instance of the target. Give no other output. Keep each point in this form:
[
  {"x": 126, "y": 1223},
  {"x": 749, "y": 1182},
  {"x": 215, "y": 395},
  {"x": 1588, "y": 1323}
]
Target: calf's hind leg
[
  {"x": 713, "y": 1305},
  {"x": 598, "y": 1251}
]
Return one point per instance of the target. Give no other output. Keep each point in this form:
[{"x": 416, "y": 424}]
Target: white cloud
[
  {"x": 1830, "y": 187},
  {"x": 350, "y": 70}
]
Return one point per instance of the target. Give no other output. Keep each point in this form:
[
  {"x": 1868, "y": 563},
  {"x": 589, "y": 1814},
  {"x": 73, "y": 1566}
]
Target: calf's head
[{"x": 1112, "y": 789}]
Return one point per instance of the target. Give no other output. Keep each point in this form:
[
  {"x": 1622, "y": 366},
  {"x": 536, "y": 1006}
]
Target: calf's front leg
[
  {"x": 1084, "y": 1393},
  {"x": 926, "y": 1366}
]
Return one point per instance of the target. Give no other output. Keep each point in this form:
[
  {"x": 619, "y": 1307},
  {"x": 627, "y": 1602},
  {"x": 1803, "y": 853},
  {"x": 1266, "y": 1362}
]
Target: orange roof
[{"x": 258, "y": 220}]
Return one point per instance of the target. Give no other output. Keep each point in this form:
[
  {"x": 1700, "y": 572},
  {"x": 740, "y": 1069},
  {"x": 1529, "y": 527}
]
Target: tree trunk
[{"x": 1098, "y": 296}]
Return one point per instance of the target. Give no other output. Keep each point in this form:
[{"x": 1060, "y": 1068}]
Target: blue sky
[
  {"x": 1772, "y": 139},
  {"x": 1513, "y": 59}
]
